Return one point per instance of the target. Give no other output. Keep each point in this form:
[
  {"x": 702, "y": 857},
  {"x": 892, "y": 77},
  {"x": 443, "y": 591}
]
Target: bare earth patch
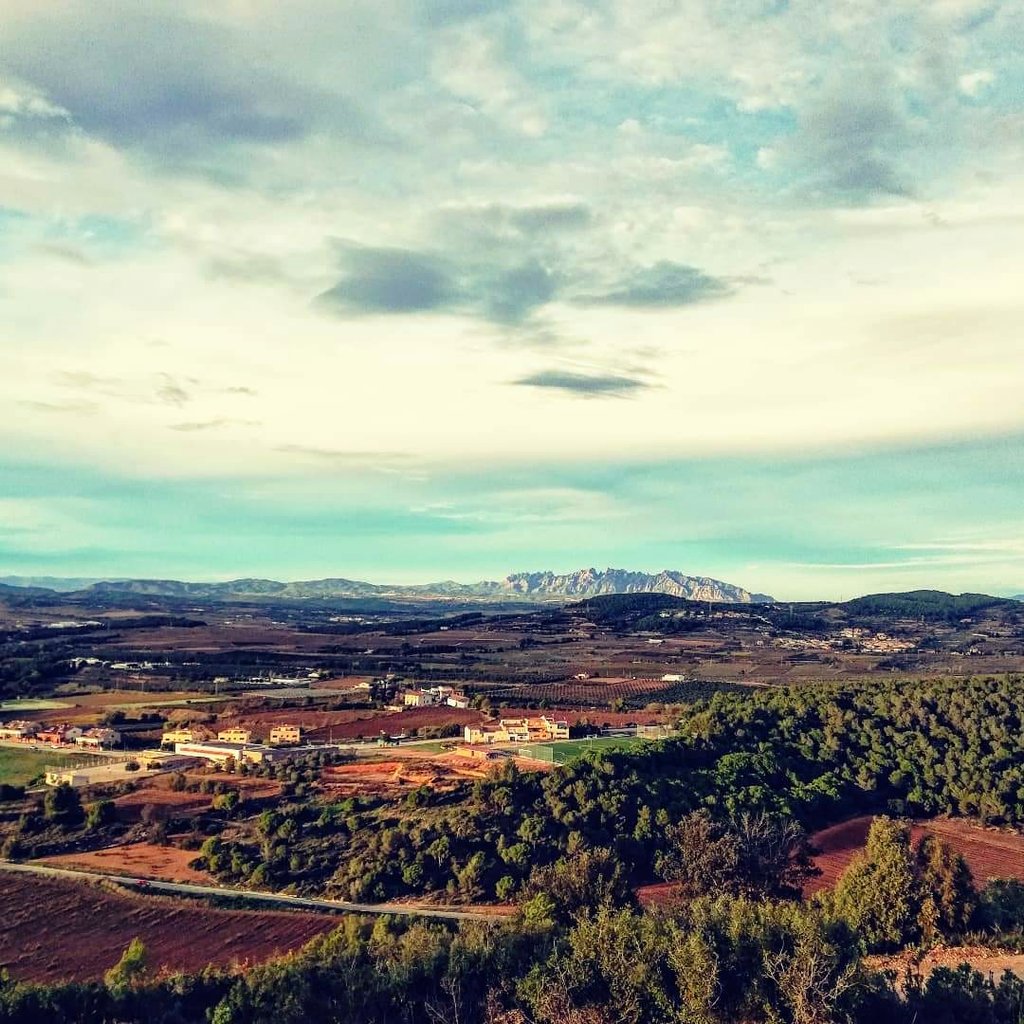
[
  {"x": 990, "y": 962},
  {"x": 146, "y": 860}
]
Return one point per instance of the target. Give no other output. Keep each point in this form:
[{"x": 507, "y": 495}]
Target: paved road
[{"x": 271, "y": 898}]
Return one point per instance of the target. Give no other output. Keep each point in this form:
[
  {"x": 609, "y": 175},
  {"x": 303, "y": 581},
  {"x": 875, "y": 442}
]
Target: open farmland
[
  {"x": 990, "y": 853},
  {"x": 51, "y": 929},
  {"x": 146, "y": 860}
]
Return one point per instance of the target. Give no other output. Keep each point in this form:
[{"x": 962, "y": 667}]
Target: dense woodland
[{"x": 809, "y": 756}]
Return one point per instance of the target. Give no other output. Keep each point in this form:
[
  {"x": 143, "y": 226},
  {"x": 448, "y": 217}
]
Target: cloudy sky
[{"x": 409, "y": 289}]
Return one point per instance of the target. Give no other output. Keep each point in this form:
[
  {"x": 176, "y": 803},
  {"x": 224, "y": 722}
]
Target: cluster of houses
[
  {"x": 63, "y": 735},
  {"x": 237, "y": 744},
  {"x": 435, "y": 696},
  {"x": 280, "y": 736},
  {"x": 540, "y": 729}
]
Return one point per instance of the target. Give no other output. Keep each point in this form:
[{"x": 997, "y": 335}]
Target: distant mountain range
[{"x": 523, "y": 586}]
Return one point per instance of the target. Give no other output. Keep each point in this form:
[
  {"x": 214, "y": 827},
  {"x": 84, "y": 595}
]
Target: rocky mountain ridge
[{"x": 522, "y": 586}]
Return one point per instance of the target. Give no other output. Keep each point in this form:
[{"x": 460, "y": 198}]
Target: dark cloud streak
[
  {"x": 392, "y": 281},
  {"x": 661, "y": 286},
  {"x": 584, "y": 385}
]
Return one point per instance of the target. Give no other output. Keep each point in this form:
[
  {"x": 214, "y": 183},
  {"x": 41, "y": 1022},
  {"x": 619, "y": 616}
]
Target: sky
[{"x": 433, "y": 289}]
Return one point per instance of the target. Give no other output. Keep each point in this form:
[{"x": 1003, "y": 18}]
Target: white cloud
[
  {"x": 973, "y": 83},
  {"x": 21, "y": 101}
]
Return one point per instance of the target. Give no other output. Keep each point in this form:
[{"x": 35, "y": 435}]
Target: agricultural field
[
  {"x": 989, "y": 852},
  {"x": 54, "y": 929},
  {"x": 144, "y": 860},
  {"x": 625, "y": 645}
]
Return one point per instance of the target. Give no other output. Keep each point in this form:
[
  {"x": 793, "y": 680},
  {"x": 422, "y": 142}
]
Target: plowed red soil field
[
  {"x": 146, "y": 860},
  {"x": 55, "y": 929},
  {"x": 989, "y": 852},
  {"x": 598, "y": 716}
]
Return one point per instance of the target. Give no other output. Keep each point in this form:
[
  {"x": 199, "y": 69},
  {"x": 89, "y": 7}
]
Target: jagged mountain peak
[{"x": 591, "y": 582}]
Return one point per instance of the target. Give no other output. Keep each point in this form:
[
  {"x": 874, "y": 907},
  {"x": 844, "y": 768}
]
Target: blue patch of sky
[{"x": 103, "y": 236}]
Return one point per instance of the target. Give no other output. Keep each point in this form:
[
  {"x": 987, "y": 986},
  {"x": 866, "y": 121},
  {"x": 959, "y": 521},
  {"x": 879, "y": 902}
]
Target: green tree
[
  {"x": 130, "y": 971},
  {"x": 878, "y": 894},
  {"x": 585, "y": 880},
  {"x": 63, "y": 805},
  {"x": 949, "y": 897},
  {"x": 101, "y": 813}
]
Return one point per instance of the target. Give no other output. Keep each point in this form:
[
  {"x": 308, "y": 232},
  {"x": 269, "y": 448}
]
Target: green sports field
[
  {"x": 19, "y": 766},
  {"x": 566, "y": 750},
  {"x": 29, "y": 704}
]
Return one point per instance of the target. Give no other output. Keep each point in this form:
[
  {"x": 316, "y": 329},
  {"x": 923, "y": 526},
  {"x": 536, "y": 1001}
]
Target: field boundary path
[{"x": 145, "y": 886}]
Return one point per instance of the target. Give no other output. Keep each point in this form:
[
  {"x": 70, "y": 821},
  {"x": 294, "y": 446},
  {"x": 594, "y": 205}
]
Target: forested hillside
[{"x": 812, "y": 755}]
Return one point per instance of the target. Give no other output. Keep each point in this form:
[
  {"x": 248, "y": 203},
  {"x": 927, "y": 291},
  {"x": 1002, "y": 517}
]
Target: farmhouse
[
  {"x": 173, "y": 736},
  {"x": 19, "y": 730},
  {"x": 514, "y": 730},
  {"x": 420, "y": 698},
  {"x": 98, "y": 738},
  {"x": 234, "y": 736},
  {"x": 484, "y": 734},
  {"x": 435, "y": 695},
  {"x": 285, "y": 735},
  {"x": 58, "y": 734},
  {"x": 221, "y": 751},
  {"x": 519, "y": 730}
]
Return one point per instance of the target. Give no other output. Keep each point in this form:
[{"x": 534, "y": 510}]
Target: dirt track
[{"x": 988, "y": 961}]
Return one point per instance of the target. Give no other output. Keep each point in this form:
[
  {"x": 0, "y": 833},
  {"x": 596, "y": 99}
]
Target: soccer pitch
[{"x": 566, "y": 750}]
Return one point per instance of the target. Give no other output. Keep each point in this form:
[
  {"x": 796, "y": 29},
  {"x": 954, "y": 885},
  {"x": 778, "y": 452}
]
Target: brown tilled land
[
  {"x": 145, "y": 860},
  {"x": 403, "y": 771},
  {"x": 53, "y": 929}
]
